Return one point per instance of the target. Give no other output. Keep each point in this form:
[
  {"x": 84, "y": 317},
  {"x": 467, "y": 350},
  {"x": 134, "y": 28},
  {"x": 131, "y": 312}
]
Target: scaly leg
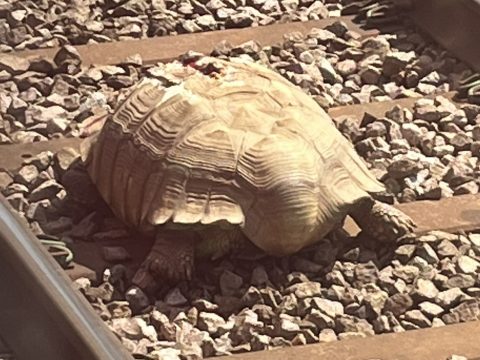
[
  {"x": 382, "y": 221},
  {"x": 216, "y": 242},
  {"x": 171, "y": 258}
]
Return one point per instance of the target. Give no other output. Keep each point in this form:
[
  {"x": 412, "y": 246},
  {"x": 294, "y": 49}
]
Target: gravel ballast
[
  {"x": 340, "y": 288},
  {"x": 428, "y": 152},
  {"x": 45, "y": 24},
  {"x": 44, "y": 99},
  {"x": 305, "y": 299}
]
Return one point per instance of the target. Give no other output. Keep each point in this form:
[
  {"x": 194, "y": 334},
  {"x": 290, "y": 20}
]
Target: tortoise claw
[
  {"x": 144, "y": 279},
  {"x": 171, "y": 259},
  {"x": 384, "y": 222},
  {"x": 391, "y": 223}
]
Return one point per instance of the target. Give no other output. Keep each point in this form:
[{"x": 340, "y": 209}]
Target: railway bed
[{"x": 70, "y": 327}]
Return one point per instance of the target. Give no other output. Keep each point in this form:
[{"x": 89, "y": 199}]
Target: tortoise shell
[{"x": 244, "y": 147}]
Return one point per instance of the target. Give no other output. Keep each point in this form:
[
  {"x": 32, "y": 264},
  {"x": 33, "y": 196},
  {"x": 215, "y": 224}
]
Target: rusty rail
[
  {"x": 379, "y": 108},
  {"x": 426, "y": 344},
  {"x": 167, "y": 48}
]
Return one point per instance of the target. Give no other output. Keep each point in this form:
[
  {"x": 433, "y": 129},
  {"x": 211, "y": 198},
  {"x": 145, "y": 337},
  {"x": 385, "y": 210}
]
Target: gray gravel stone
[
  {"x": 46, "y": 190},
  {"x": 430, "y": 309},
  {"x": 327, "y": 335},
  {"x": 446, "y": 249},
  {"x": 375, "y": 299},
  {"x": 230, "y": 283},
  {"x": 382, "y": 325},
  {"x": 427, "y": 253},
  {"x": 408, "y": 273},
  {"x": 466, "y": 311},
  {"x": 436, "y": 322},
  {"x": 165, "y": 328},
  {"x": 451, "y": 297},
  {"x": 211, "y": 322},
  {"x": 418, "y": 318},
  {"x": 350, "y": 335},
  {"x": 457, "y": 357},
  {"x": 27, "y": 174},
  {"x": 175, "y": 298},
  {"x": 396, "y": 61},
  {"x": 259, "y": 276},
  {"x": 461, "y": 281},
  {"x": 468, "y": 265},
  {"x": 260, "y": 342},
  {"x": 306, "y": 289},
  {"x": 320, "y": 320},
  {"x": 424, "y": 290},
  {"x": 327, "y": 307},
  {"x": 366, "y": 273},
  {"x": 166, "y": 354},
  {"x": 405, "y": 252},
  {"x": 348, "y": 323},
  {"x": 398, "y": 304}
]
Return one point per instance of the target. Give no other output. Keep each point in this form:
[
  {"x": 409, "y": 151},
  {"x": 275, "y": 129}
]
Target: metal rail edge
[
  {"x": 425, "y": 344},
  {"x": 379, "y": 108},
  {"x": 41, "y": 316},
  {"x": 167, "y": 48},
  {"x": 454, "y": 24}
]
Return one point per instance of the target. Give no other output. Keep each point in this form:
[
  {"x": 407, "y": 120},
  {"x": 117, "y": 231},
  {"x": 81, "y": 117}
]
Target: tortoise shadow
[{"x": 95, "y": 227}]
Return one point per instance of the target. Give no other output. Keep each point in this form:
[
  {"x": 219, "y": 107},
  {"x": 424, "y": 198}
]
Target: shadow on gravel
[{"x": 100, "y": 241}]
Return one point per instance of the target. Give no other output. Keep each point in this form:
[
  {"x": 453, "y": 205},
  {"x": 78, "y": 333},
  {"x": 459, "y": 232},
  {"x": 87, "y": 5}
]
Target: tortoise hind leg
[
  {"x": 216, "y": 242},
  {"x": 171, "y": 258},
  {"x": 382, "y": 221}
]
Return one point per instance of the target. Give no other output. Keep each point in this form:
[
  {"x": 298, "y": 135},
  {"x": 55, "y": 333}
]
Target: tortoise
[{"x": 230, "y": 154}]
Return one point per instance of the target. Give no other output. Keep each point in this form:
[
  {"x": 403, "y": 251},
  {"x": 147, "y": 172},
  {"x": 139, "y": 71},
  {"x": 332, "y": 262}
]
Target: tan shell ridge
[{"x": 249, "y": 150}]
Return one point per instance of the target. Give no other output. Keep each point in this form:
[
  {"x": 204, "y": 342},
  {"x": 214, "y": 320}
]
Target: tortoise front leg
[
  {"x": 171, "y": 258},
  {"x": 382, "y": 221}
]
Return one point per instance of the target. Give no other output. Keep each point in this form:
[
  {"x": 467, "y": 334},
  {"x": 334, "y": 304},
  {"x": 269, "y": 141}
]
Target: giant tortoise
[{"x": 230, "y": 154}]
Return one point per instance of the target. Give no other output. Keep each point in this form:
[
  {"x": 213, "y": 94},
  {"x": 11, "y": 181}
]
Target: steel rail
[
  {"x": 453, "y": 214},
  {"x": 168, "y": 48},
  {"x": 379, "y": 108},
  {"x": 13, "y": 155},
  {"x": 41, "y": 316},
  {"x": 425, "y": 344}
]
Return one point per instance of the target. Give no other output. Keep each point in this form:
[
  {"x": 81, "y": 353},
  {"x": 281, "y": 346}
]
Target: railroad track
[{"x": 65, "y": 319}]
